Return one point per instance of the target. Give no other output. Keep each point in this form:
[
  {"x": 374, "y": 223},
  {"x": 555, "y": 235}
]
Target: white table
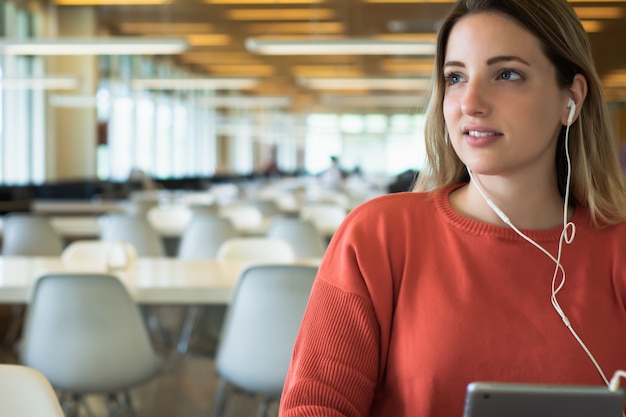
[
  {"x": 88, "y": 227},
  {"x": 149, "y": 280},
  {"x": 77, "y": 207}
]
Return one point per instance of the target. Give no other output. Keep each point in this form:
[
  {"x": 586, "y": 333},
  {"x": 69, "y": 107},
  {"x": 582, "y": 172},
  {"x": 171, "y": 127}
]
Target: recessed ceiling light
[
  {"x": 392, "y": 83},
  {"x": 339, "y": 46},
  {"x": 215, "y": 83},
  {"x": 94, "y": 46}
]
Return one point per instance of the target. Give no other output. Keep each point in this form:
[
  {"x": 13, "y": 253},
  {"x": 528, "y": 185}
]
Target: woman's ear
[{"x": 577, "y": 92}]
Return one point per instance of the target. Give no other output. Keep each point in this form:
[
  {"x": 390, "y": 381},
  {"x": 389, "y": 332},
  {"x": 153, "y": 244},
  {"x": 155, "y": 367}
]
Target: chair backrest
[
  {"x": 243, "y": 217},
  {"x": 261, "y": 325},
  {"x": 305, "y": 239},
  {"x": 135, "y": 230},
  {"x": 26, "y": 393},
  {"x": 256, "y": 249},
  {"x": 29, "y": 235},
  {"x": 86, "y": 335},
  {"x": 267, "y": 207},
  {"x": 204, "y": 235},
  {"x": 99, "y": 253},
  {"x": 174, "y": 218},
  {"x": 326, "y": 217}
]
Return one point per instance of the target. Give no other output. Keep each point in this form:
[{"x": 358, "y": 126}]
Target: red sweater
[{"x": 413, "y": 301}]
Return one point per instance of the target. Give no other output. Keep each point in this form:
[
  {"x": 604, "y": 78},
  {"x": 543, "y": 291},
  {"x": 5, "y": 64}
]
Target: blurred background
[{"x": 203, "y": 89}]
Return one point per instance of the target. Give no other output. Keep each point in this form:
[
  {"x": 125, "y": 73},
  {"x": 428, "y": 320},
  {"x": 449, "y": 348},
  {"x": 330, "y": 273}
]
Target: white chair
[
  {"x": 29, "y": 235},
  {"x": 256, "y": 249},
  {"x": 135, "y": 230},
  {"x": 224, "y": 193},
  {"x": 245, "y": 218},
  {"x": 25, "y": 234},
  {"x": 326, "y": 217},
  {"x": 201, "y": 240},
  {"x": 169, "y": 219},
  {"x": 259, "y": 332},
  {"x": 140, "y": 206},
  {"x": 99, "y": 254},
  {"x": 267, "y": 207},
  {"x": 204, "y": 235},
  {"x": 86, "y": 335},
  {"x": 26, "y": 392},
  {"x": 302, "y": 235}
]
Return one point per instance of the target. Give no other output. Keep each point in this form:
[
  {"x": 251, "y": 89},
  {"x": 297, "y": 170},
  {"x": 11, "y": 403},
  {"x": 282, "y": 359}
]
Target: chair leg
[
  {"x": 263, "y": 408},
  {"x": 70, "y": 404},
  {"x": 129, "y": 404},
  {"x": 187, "y": 329},
  {"x": 157, "y": 333},
  {"x": 83, "y": 403},
  {"x": 15, "y": 323},
  {"x": 219, "y": 402},
  {"x": 120, "y": 405}
]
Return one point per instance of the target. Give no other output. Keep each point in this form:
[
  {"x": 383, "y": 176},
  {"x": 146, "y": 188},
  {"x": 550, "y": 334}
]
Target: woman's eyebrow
[
  {"x": 490, "y": 61},
  {"x": 454, "y": 64},
  {"x": 506, "y": 58}
]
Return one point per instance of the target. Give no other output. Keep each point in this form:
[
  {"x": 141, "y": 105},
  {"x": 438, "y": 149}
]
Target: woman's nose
[{"x": 475, "y": 99}]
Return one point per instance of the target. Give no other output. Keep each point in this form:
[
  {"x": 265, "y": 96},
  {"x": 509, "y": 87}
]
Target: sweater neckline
[{"x": 442, "y": 201}]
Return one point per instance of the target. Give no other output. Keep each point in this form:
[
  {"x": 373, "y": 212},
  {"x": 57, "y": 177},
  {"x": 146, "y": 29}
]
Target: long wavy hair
[{"x": 597, "y": 178}]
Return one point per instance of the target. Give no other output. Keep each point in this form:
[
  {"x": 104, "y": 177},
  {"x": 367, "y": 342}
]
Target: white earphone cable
[{"x": 565, "y": 237}]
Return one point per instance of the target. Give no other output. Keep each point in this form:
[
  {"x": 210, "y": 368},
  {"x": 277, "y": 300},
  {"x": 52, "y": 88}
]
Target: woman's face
[{"x": 502, "y": 106}]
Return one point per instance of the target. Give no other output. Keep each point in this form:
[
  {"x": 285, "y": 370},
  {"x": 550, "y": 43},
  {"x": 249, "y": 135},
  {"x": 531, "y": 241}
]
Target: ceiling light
[
  {"x": 95, "y": 46},
  {"x": 412, "y": 66},
  {"x": 110, "y": 2},
  {"x": 258, "y": 70},
  {"x": 281, "y": 14},
  {"x": 300, "y": 36},
  {"x": 599, "y": 12},
  {"x": 165, "y": 27},
  {"x": 408, "y": 37},
  {"x": 39, "y": 83},
  {"x": 403, "y": 101},
  {"x": 365, "y": 83},
  {"x": 218, "y": 58},
  {"x": 246, "y": 102},
  {"x": 342, "y": 46},
  {"x": 216, "y": 83},
  {"x": 273, "y": 2},
  {"x": 615, "y": 79},
  {"x": 410, "y": 1},
  {"x": 592, "y": 26},
  {"x": 325, "y": 71},
  {"x": 208, "y": 39},
  {"x": 294, "y": 28}
]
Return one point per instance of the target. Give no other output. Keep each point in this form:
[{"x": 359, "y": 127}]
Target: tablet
[{"x": 489, "y": 399}]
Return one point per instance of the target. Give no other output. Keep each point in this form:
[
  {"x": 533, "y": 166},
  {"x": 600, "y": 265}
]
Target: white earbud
[{"x": 571, "y": 105}]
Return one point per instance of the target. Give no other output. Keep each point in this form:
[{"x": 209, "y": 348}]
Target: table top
[
  {"x": 149, "y": 280},
  {"x": 88, "y": 227}
]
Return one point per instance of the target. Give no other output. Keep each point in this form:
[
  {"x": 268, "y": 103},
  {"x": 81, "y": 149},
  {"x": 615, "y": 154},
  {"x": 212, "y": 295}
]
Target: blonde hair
[{"x": 597, "y": 179}]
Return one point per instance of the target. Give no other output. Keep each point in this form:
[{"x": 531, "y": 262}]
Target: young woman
[{"x": 508, "y": 264}]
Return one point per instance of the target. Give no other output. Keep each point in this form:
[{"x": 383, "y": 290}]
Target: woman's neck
[{"x": 529, "y": 206}]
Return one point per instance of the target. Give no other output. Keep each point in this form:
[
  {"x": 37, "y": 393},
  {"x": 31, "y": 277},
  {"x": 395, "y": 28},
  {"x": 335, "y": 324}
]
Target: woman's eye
[
  {"x": 452, "y": 79},
  {"x": 509, "y": 75}
]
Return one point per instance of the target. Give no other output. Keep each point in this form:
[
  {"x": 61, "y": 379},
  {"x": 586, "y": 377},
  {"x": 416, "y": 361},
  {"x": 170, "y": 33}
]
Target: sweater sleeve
[{"x": 336, "y": 357}]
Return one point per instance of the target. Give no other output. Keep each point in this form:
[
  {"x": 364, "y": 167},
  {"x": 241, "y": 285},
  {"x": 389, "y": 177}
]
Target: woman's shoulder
[
  {"x": 396, "y": 202},
  {"x": 395, "y": 210}
]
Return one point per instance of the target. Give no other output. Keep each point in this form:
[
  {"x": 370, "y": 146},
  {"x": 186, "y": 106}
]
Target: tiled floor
[{"x": 185, "y": 388}]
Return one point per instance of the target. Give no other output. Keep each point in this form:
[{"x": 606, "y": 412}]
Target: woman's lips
[{"x": 481, "y": 138}]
